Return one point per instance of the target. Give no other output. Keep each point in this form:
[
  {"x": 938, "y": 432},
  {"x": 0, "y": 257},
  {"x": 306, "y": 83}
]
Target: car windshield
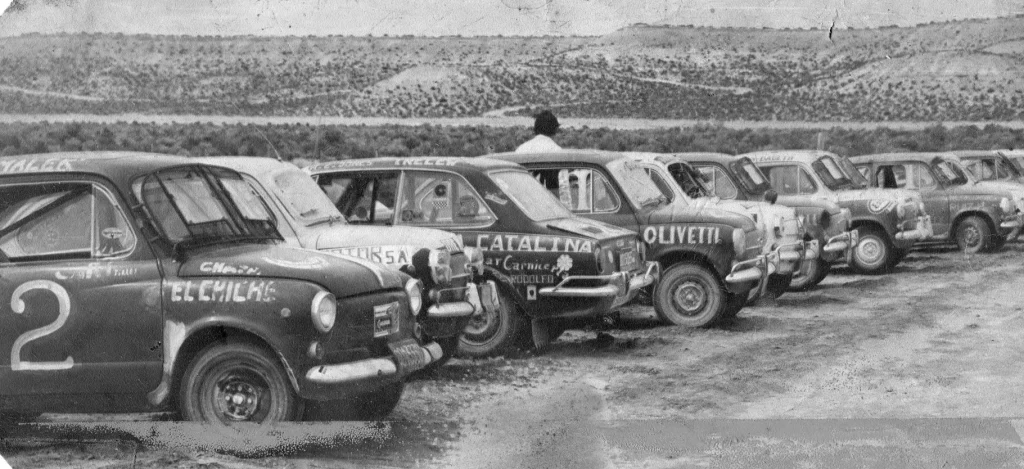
[
  {"x": 828, "y": 171},
  {"x": 204, "y": 204},
  {"x": 690, "y": 180},
  {"x": 856, "y": 178},
  {"x": 752, "y": 179},
  {"x": 635, "y": 182},
  {"x": 526, "y": 193},
  {"x": 303, "y": 198},
  {"x": 950, "y": 172}
]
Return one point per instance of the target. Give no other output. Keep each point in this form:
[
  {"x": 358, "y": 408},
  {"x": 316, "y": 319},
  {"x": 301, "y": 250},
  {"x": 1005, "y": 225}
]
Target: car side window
[
  {"x": 892, "y": 176},
  {"x": 436, "y": 198},
  {"x": 921, "y": 177},
  {"x": 62, "y": 221},
  {"x": 661, "y": 184},
  {"x": 581, "y": 190},
  {"x": 721, "y": 183},
  {"x": 366, "y": 199}
]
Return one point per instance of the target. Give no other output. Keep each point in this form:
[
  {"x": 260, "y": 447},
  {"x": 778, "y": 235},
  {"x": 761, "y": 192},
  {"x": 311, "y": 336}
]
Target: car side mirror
[{"x": 771, "y": 196}]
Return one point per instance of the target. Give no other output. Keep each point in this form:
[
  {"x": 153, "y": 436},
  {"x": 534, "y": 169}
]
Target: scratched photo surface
[{"x": 777, "y": 233}]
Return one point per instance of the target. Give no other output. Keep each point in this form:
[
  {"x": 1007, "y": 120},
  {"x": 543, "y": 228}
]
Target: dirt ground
[{"x": 919, "y": 368}]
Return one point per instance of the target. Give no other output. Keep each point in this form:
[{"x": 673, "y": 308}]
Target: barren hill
[{"x": 965, "y": 70}]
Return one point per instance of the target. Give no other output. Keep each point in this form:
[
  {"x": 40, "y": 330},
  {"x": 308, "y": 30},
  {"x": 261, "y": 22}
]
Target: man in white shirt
[{"x": 545, "y": 126}]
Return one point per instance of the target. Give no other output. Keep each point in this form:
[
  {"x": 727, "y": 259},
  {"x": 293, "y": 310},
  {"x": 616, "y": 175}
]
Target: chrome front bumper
[
  {"x": 1013, "y": 223},
  {"x": 479, "y": 298},
  {"x": 922, "y": 231},
  {"x": 618, "y": 284},
  {"x": 366, "y": 369},
  {"x": 843, "y": 242}
]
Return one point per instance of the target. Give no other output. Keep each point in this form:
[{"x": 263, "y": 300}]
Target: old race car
[
  {"x": 714, "y": 259},
  {"x": 785, "y": 244},
  {"x": 731, "y": 178},
  {"x": 552, "y": 269},
  {"x": 137, "y": 282},
  {"x": 888, "y": 221},
  {"x": 452, "y": 275},
  {"x": 976, "y": 216}
]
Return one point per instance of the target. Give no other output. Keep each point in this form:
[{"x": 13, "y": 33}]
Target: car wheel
[
  {"x": 816, "y": 272},
  {"x": 370, "y": 406},
  {"x": 449, "y": 347},
  {"x": 689, "y": 295},
  {"x": 778, "y": 284},
  {"x": 733, "y": 304},
  {"x": 873, "y": 254},
  {"x": 231, "y": 382},
  {"x": 491, "y": 333},
  {"x": 973, "y": 235},
  {"x": 998, "y": 242}
]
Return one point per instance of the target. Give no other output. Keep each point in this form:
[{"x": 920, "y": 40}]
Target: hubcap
[
  {"x": 870, "y": 251},
  {"x": 482, "y": 326},
  {"x": 689, "y": 297},
  {"x": 238, "y": 397},
  {"x": 971, "y": 236}
]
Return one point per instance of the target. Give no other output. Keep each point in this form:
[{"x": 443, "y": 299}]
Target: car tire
[
  {"x": 778, "y": 284},
  {"x": 973, "y": 235},
  {"x": 375, "y": 405},
  {"x": 816, "y": 272},
  {"x": 873, "y": 254},
  {"x": 449, "y": 347},
  {"x": 689, "y": 295},
  {"x": 490, "y": 334},
  {"x": 733, "y": 305},
  {"x": 998, "y": 242},
  {"x": 240, "y": 371}
]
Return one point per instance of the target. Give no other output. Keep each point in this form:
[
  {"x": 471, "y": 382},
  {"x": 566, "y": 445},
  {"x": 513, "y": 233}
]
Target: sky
[{"x": 477, "y": 17}]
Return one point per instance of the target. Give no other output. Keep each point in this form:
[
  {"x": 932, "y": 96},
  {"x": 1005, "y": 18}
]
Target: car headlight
[
  {"x": 1005, "y": 205},
  {"x": 920, "y": 209},
  {"x": 414, "y": 290},
  {"x": 324, "y": 310},
  {"x": 739, "y": 241},
  {"x": 901, "y": 211},
  {"x": 440, "y": 263},
  {"x": 474, "y": 260}
]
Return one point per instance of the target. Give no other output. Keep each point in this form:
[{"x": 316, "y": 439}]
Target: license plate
[
  {"x": 628, "y": 261},
  {"x": 408, "y": 355}
]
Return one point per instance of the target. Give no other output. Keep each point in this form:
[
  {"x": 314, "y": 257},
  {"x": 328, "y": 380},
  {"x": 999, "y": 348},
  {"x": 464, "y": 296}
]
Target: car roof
[
  {"x": 452, "y": 163},
  {"x": 975, "y": 153},
  {"x": 119, "y": 166},
  {"x": 713, "y": 157},
  {"x": 253, "y": 165},
  {"x": 801, "y": 156},
  {"x": 925, "y": 156},
  {"x": 567, "y": 155}
]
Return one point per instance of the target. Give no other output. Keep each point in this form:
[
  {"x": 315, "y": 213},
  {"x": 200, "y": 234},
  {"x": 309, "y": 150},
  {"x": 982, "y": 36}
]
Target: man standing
[{"x": 546, "y": 126}]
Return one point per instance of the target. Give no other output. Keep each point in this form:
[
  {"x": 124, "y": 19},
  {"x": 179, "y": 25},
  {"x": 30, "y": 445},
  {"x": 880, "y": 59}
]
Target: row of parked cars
[{"x": 241, "y": 289}]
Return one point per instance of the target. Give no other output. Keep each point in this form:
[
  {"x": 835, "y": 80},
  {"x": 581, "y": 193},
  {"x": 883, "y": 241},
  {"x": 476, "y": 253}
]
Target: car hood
[
  {"x": 708, "y": 213},
  {"x": 342, "y": 275},
  {"x": 894, "y": 195},
  {"x": 587, "y": 227},
  {"x": 354, "y": 236}
]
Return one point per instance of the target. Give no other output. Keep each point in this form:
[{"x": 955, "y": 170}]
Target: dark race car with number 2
[
  {"x": 137, "y": 282},
  {"x": 553, "y": 269}
]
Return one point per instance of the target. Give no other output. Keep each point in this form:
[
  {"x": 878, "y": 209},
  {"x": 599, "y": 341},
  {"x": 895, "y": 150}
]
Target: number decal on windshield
[{"x": 64, "y": 310}]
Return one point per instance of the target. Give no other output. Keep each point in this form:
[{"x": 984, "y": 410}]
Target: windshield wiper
[
  {"x": 330, "y": 220},
  {"x": 656, "y": 200}
]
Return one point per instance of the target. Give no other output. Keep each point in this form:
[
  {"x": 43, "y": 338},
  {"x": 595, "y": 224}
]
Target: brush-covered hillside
[{"x": 964, "y": 70}]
